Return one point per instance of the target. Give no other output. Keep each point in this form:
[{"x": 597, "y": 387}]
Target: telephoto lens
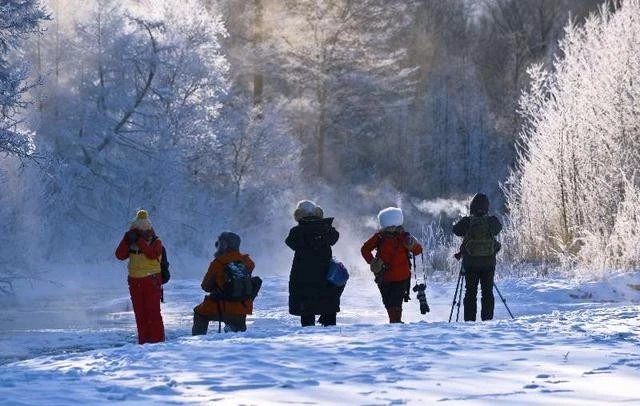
[
  {"x": 422, "y": 298},
  {"x": 424, "y": 306}
]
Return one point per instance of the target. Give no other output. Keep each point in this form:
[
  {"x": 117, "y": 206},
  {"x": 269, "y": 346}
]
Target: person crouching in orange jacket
[
  {"x": 219, "y": 306},
  {"x": 391, "y": 264},
  {"x": 144, "y": 250}
]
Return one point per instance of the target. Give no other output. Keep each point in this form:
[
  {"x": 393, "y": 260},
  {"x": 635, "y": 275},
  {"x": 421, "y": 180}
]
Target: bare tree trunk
[
  {"x": 447, "y": 162},
  {"x": 320, "y": 136},
  {"x": 258, "y": 34},
  {"x": 39, "y": 63},
  {"x": 563, "y": 196}
]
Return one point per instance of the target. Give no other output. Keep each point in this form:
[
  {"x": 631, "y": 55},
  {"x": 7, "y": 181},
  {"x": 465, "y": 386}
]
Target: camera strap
[{"x": 415, "y": 270}]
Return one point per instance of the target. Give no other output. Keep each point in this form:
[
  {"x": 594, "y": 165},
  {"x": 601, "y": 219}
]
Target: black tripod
[
  {"x": 503, "y": 300},
  {"x": 458, "y": 295}
]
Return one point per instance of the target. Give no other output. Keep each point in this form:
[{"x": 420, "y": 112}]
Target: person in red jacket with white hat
[{"x": 391, "y": 264}]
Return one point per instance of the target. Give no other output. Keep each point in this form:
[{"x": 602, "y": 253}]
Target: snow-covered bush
[{"x": 571, "y": 195}]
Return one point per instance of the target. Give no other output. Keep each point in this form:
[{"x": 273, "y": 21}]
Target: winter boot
[
  {"x": 470, "y": 308},
  {"x": 328, "y": 319},
  {"x": 307, "y": 320},
  {"x": 395, "y": 314}
]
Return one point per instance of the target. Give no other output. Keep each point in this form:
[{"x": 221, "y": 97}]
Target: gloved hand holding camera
[{"x": 132, "y": 237}]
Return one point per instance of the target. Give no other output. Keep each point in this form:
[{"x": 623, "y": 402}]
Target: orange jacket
[
  {"x": 393, "y": 252},
  {"x": 215, "y": 277}
]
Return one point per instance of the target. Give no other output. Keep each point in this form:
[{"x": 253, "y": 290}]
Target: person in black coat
[
  {"x": 478, "y": 251},
  {"x": 310, "y": 293}
]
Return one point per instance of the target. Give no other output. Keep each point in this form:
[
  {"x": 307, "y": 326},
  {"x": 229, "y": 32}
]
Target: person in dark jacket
[
  {"x": 391, "y": 264},
  {"x": 310, "y": 293},
  {"x": 478, "y": 252}
]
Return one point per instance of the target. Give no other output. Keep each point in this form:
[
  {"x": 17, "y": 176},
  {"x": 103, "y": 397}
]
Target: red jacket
[
  {"x": 144, "y": 256},
  {"x": 152, "y": 251},
  {"x": 394, "y": 250}
]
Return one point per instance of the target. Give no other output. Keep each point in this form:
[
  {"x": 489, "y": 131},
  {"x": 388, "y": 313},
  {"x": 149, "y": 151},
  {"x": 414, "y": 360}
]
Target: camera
[{"x": 422, "y": 298}]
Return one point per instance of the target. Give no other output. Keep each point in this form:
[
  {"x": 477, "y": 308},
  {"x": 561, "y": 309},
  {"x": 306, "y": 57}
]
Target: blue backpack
[{"x": 337, "y": 274}]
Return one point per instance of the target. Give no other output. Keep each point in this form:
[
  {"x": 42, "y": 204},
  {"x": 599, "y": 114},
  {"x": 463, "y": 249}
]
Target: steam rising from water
[{"x": 443, "y": 207}]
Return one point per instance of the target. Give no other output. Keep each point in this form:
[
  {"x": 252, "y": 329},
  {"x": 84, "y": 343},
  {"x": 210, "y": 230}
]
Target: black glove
[
  {"x": 407, "y": 287},
  {"x": 132, "y": 237}
]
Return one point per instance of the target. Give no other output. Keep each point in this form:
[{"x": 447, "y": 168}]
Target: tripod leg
[
  {"x": 460, "y": 296},
  {"x": 503, "y": 300},
  {"x": 454, "y": 297}
]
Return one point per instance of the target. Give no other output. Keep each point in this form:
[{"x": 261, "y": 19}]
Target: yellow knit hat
[{"x": 141, "y": 222}]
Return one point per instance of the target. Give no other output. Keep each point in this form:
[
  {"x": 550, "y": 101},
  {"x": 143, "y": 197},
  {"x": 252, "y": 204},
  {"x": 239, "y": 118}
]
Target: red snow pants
[{"x": 145, "y": 298}]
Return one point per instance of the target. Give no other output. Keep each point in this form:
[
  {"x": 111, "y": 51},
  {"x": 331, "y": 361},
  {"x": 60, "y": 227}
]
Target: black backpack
[
  {"x": 238, "y": 284},
  {"x": 164, "y": 263},
  {"x": 164, "y": 267},
  {"x": 478, "y": 241}
]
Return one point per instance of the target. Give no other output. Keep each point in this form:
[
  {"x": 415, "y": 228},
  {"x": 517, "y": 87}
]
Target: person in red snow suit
[
  {"x": 391, "y": 264},
  {"x": 144, "y": 250},
  {"x": 213, "y": 308}
]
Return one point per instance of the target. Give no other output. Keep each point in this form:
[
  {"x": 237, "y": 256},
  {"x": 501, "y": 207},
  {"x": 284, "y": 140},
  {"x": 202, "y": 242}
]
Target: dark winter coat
[
  {"x": 460, "y": 229},
  {"x": 309, "y": 290}
]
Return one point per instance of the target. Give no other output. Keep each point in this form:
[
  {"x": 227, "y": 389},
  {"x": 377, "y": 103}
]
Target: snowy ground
[{"x": 570, "y": 344}]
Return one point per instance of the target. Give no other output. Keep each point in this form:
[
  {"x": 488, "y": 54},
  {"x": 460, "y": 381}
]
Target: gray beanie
[{"x": 228, "y": 241}]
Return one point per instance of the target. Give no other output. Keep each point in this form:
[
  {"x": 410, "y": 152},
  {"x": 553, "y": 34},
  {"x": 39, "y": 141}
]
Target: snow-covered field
[{"x": 569, "y": 344}]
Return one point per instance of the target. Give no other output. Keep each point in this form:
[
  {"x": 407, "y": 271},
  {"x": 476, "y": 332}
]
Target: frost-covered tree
[
  {"x": 18, "y": 20},
  {"x": 255, "y": 146},
  {"x": 348, "y": 78},
  {"x": 133, "y": 109},
  {"x": 573, "y": 190}
]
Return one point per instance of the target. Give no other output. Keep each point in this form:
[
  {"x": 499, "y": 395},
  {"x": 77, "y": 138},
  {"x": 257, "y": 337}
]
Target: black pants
[
  {"x": 232, "y": 323},
  {"x": 483, "y": 276},
  {"x": 326, "y": 319},
  {"x": 393, "y": 293}
]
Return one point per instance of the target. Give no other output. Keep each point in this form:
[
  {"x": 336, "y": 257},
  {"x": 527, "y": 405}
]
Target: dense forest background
[{"x": 223, "y": 114}]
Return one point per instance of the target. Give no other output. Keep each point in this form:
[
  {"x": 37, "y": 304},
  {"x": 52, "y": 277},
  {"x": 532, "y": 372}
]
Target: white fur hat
[{"x": 391, "y": 216}]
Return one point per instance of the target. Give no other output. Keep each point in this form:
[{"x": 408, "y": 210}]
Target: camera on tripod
[{"x": 422, "y": 297}]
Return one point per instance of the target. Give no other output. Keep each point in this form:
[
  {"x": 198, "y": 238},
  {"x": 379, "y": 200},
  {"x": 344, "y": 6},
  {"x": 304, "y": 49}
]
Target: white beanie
[{"x": 391, "y": 216}]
